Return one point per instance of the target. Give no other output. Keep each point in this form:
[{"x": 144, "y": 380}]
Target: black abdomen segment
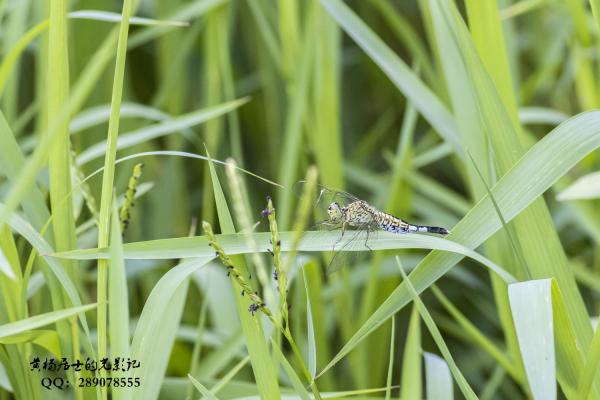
[{"x": 432, "y": 229}]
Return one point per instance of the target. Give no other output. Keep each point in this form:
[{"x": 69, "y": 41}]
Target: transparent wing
[
  {"x": 326, "y": 195},
  {"x": 351, "y": 246}
]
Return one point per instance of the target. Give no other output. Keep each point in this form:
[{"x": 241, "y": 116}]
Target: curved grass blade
[
  {"x": 98, "y": 15},
  {"x": 18, "y": 327},
  {"x": 161, "y": 129},
  {"x": 186, "y": 247}
]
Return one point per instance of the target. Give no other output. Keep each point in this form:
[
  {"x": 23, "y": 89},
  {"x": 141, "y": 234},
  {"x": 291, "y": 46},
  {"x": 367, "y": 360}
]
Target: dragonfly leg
[
  {"x": 367, "y": 240},
  {"x": 341, "y": 237}
]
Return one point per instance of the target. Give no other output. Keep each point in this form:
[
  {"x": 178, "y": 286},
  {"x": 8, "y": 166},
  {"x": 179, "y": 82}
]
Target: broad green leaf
[
  {"x": 44, "y": 338},
  {"x": 531, "y": 305},
  {"x": 590, "y": 368},
  {"x": 99, "y": 114},
  {"x": 289, "y": 370},
  {"x": 98, "y": 15},
  {"x": 21, "y": 226},
  {"x": 390, "y": 373}
]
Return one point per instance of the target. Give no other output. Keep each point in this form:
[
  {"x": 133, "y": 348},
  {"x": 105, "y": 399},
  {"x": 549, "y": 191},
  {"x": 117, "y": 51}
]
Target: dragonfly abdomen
[
  {"x": 392, "y": 224},
  {"x": 389, "y": 223}
]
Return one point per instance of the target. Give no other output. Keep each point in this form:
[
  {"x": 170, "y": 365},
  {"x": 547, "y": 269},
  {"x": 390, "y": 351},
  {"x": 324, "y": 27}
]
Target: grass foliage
[{"x": 477, "y": 115}]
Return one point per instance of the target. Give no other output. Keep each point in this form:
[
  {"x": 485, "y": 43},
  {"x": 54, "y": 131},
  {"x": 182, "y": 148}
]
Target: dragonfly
[{"x": 361, "y": 220}]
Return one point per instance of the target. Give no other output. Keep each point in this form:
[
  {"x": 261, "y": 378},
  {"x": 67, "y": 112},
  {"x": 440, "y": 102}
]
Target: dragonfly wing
[
  {"x": 352, "y": 247},
  {"x": 326, "y": 195}
]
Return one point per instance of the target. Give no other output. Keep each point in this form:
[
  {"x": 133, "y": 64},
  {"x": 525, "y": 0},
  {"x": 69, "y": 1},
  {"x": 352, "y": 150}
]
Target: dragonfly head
[{"x": 335, "y": 212}]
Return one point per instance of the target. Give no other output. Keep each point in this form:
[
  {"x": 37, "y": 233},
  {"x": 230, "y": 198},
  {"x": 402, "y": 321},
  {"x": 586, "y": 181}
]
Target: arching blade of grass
[
  {"x": 170, "y": 126},
  {"x": 98, "y": 15},
  {"x": 542, "y": 166},
  {"x": 438, "y": 379},
  {"x": 42, "y": 337},
  {"x": 531, "y": 305},
  {"x": 11, "y": 162},
  {"x": 100, "y": 114},
  {"x": 23, "y": 228},
  {"x": 25, "y": 325},
  {"x": 313, "y": 241},
  {"x": 437, "y": 338}
]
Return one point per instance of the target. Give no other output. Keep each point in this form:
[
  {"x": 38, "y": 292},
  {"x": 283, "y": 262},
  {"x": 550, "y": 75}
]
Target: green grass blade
[
  {"x": 289, "y": 370},
  {"x": 477, "y": 336},
  {"x": 437, "y": 337},
  {"x": 157, "y": 326},
  {"x": 390, "y": 373},
  {"x": 312, "y": 347},
  {"x": 110, "y": 154},
  {"x": 202, "y": 389},
  {"x": 118, "y": 302},
  {"x": 411, "y": 386},
  {"x": 168, "y": 127},
  {"x": 22, "y": 326}
]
